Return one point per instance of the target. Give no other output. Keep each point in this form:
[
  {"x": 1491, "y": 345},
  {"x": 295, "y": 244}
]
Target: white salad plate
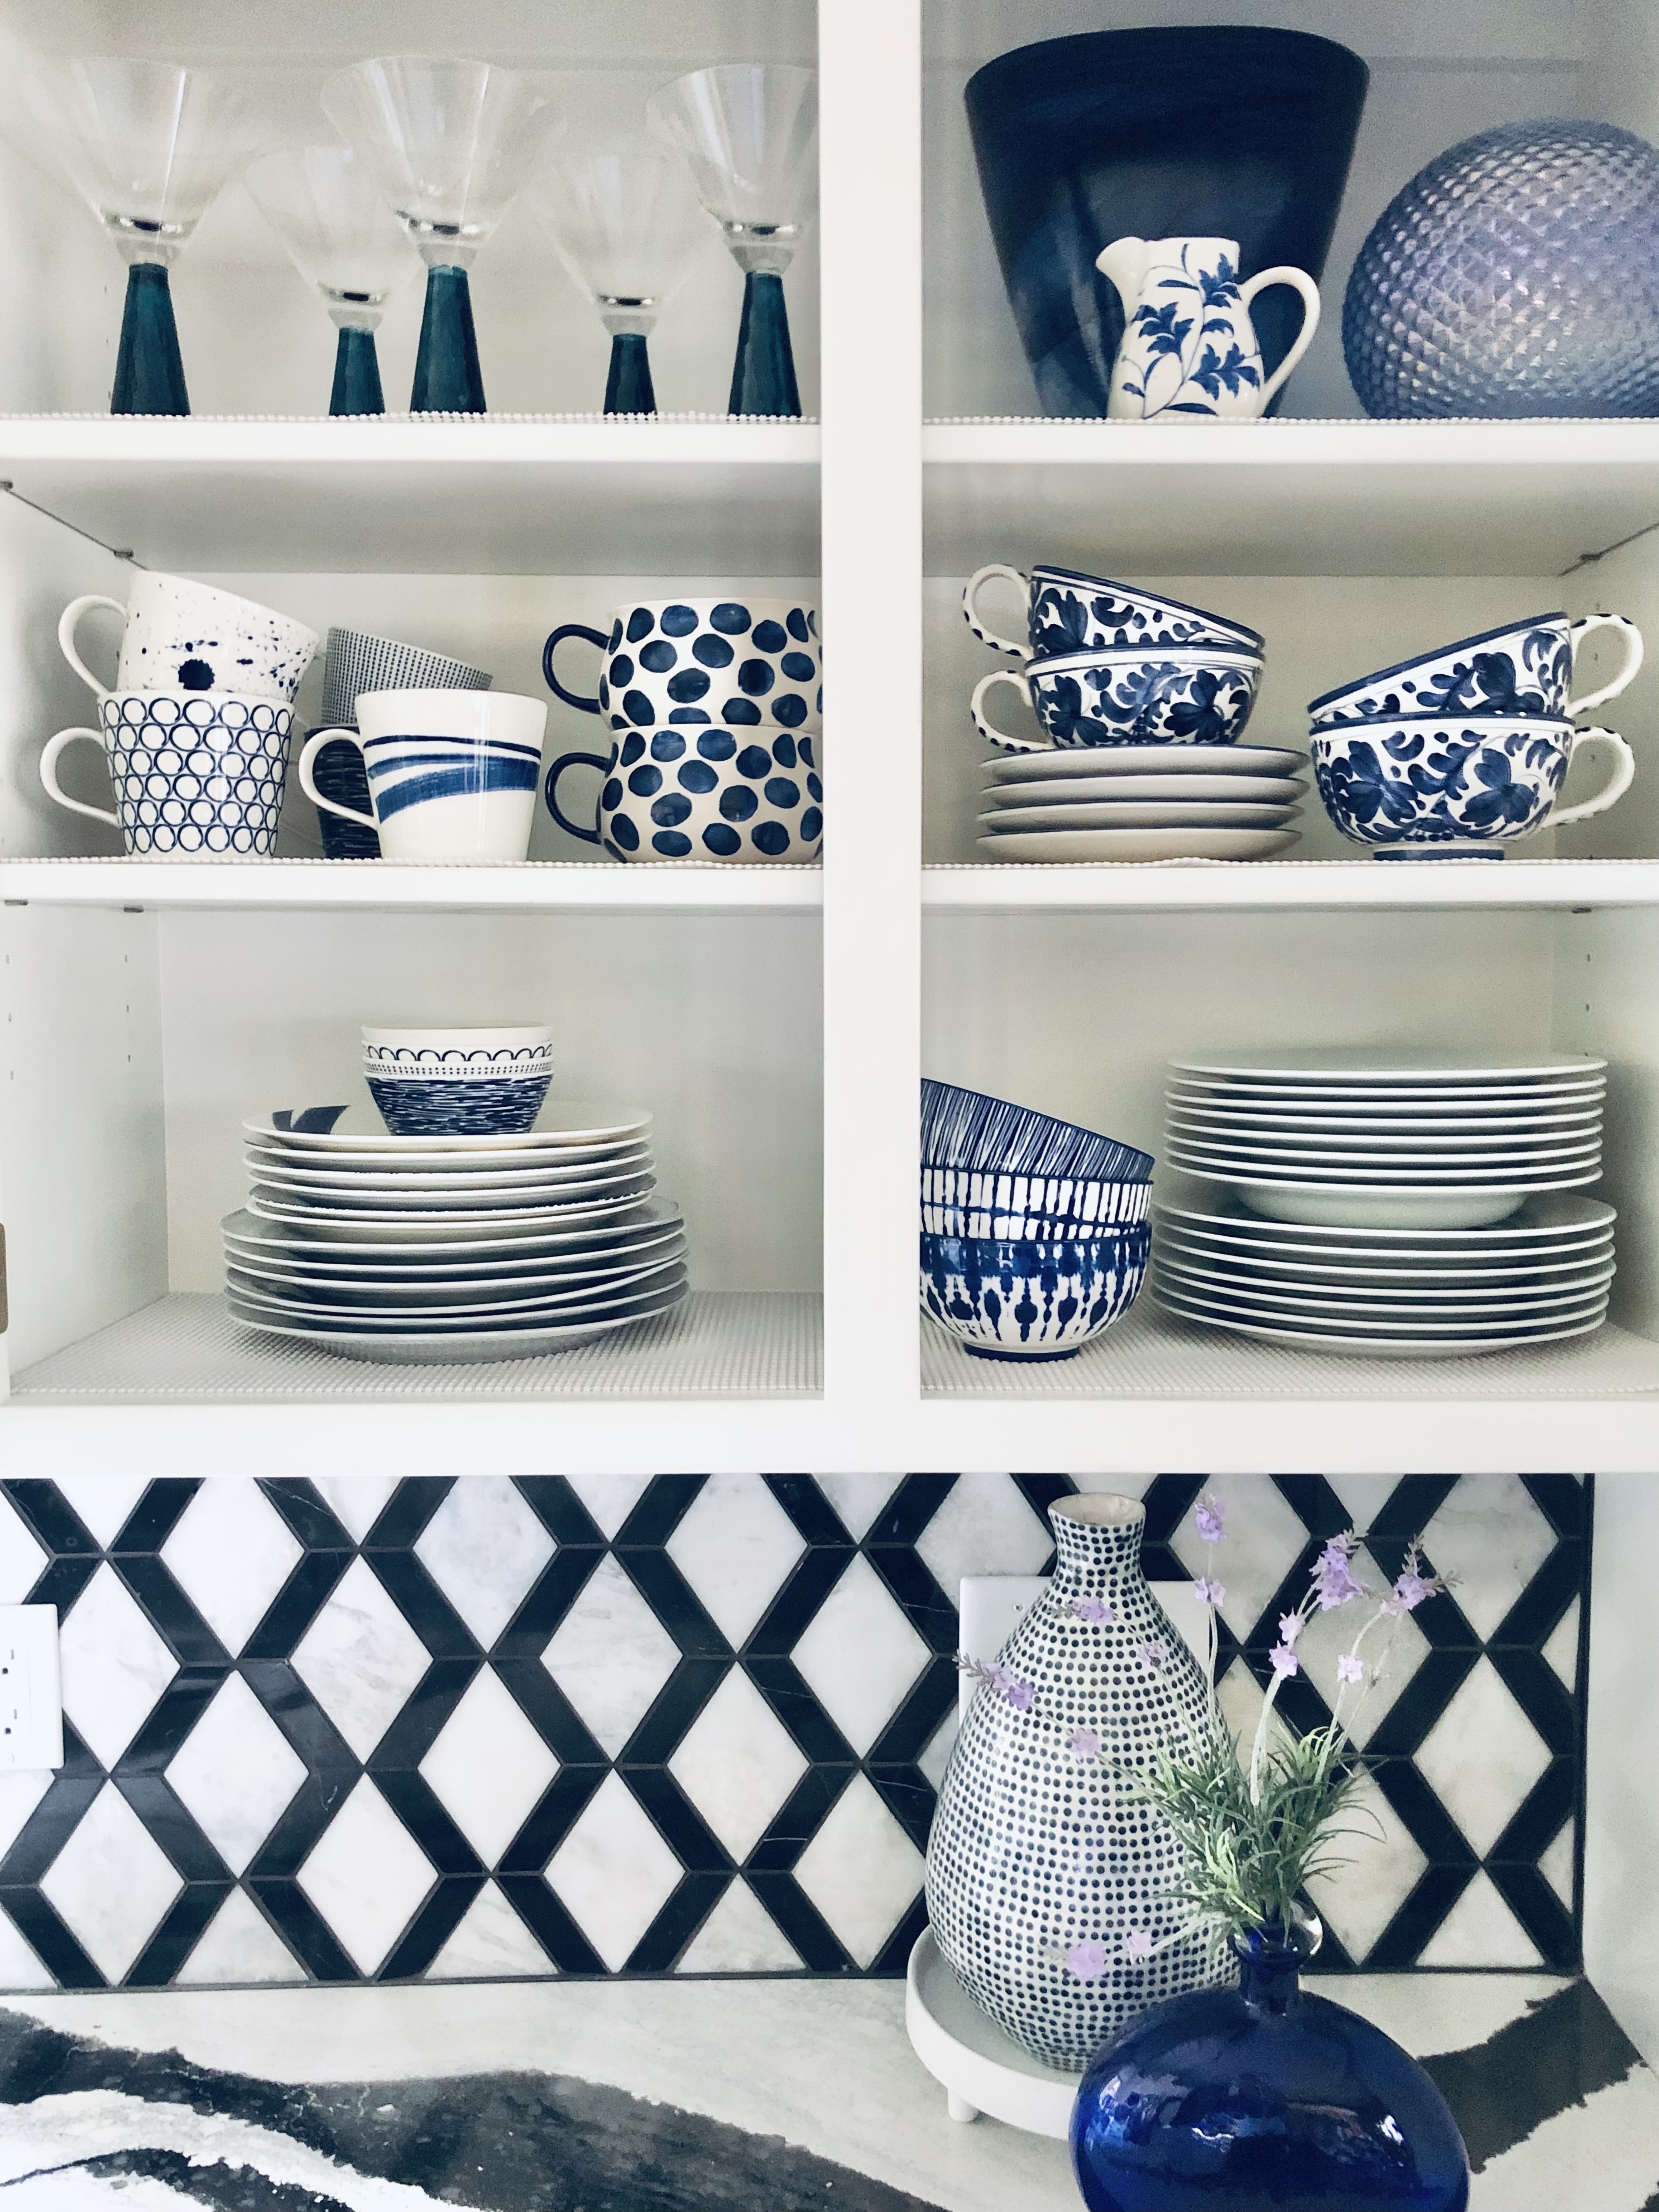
[
  {"x": 511, "y": 1205},
  {"x": 575, "y": 1306},
  {"x": 602, "y": 1229},
  {"x": 382, "y": 1266},
  {"x": 1140, "y": 814},
  {"x": 1367, "y": 1064},
  {"x": 1137, "y": 844},
  {"x": 1279, "y": 1121},
  {"x": 1079, "y": 790},
  {"x": 1542, "y": 1221},
  {"x": 379, "y": 1175},
  {"x": 452, "y": 1190},
  {"x": 1386, "y": 1347},
  {"x": 1149, "y": 760},
  {"x": 416, "y": 1228},
  {"x": 422, "y": 1347},
  {"x": 1362, "y": 1144},
  {"x": 358, "y": 1128}
]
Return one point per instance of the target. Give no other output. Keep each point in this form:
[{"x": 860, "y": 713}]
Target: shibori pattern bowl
[
  {"x": 1525, "y": 668},
  {"x": 458, "y": 1082},
  {"x": 1019, "y": 1299},
  {"x": 1152, "y": 697},
  {"x": 962, "y": 1128},
  {"x": 1070, "y": 611},
  {"x": 971, "y": 1202},
  {"x": 1434, "y": 781}
]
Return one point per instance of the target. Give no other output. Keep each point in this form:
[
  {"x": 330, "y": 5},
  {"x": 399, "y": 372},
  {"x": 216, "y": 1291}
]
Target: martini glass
[
  {"x": 341, "y": 236},
  {"x": 448, "y": 143},
  {"x": 624, "y": 221},
  {"x": 149, "y": 146},
  {"x": 749, "y": 131}
]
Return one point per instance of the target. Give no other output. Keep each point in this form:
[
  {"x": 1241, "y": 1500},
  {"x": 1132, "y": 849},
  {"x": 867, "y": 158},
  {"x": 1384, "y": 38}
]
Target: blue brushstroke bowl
[{"x": 1011, "y": 1299}]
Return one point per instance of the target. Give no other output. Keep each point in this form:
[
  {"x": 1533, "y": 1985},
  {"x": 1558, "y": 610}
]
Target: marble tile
[
  {"x": 610, "y": 1656},
  {"x": 484, "y": 1547},
  {"x": 359, "y": 1658},
  {"x": 19, "y": 1969},
  {"x": 861, "y": 1870},
  {"x": 1481, "y": 1757},
  {"x": 21, "y": 1559},
  {"x": 104, "y": 1502},
  {"x": 1392, "y": 1652},
  {"x": 1489, "y": 1539},
  {"x": 114, "y": 1665},
  {"x": 20, "y": 1791},
  {"x": 490, "y": 1940},
  {"x": 1364, "y": 1495},
  {"x": 367, "y": 1875},
  {"x": 487, "y": 1766},
  {"x": 240, "y": 1945},
  {"x": 1561, "y": 1647},
  {"x": 613, "y": 1873},
  {"x": 1263, "y": 1542},
  {"x": 738, "y": 1763},
  {"x": 357, "y": 1500},
  {"x": 1556, "y": 1864},
  {"x": 1480, "y": 1930},
  {"x": 984, "y": 1526},
  {"x": 935, "y": 1753},
  {"x": 610, "y": 1497},
  {"x": 230, "y": 1552},
  {"x": 236, "y": 1773},
  {"x": 1380, "y": 1865},
  {"x": 859, "y": 1655},
  {"x": 111, "y": 1884},
  {"x": 857, "y": 1498},
  {"x": 736, "y": 1547},
  {"x": 740, "y": 1937}
]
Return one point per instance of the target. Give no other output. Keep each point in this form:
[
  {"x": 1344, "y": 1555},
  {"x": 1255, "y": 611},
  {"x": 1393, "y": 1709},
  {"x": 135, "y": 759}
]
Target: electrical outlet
[{"x": 31, "y": 1696}]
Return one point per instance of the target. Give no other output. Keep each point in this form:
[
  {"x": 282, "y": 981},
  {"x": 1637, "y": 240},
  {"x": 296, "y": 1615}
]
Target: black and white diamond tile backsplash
[{"x": 359, "y": 1729}]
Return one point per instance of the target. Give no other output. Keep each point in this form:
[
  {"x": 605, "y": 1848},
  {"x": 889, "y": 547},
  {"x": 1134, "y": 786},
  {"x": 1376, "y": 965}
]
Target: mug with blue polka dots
[
  {"x": 739, "y": 662},
  {"x": 707, "y": 793}
]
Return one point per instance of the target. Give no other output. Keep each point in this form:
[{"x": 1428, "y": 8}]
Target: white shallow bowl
[
  {"x": 429, "y": 1347},
  {"x": 1358, "y": 1206},
  {"x": 359, "y": 1128},
  {"x": 1137, "y": 844},
  {"x": 1542, "y": 1221},
  {"x": 1147, "y": 760}
]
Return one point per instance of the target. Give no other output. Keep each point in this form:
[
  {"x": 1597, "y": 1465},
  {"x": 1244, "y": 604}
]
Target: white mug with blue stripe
[{"x": 452, "y": 776}]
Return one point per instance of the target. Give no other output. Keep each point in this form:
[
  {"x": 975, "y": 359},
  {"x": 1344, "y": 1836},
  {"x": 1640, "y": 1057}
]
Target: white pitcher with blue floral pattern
[{"x": 1189, "y": 347}]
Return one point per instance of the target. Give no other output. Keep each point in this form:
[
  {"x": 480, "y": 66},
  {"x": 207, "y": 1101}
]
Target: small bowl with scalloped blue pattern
[{"x": 1011, "y": 1298}]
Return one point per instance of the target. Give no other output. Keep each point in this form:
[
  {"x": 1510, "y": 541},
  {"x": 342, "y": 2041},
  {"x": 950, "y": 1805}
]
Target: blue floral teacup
[
  {"x": 1067, "y": 612},
  {"x": 1526, "y": 668},
  {"x": 1446, "y": 782},
  {"x": 1149, "y": 698}
]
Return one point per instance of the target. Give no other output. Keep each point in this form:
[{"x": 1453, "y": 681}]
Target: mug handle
[
  {"x": 68, "y": 623},
  {"x": 989, "y": 730},
  {"x": 1624, "y": 775},
  {"x": 599, "y": 637},
  {"x": 1299, "y": 281},
  {"x": 49, "y": 764},
  {"x": 602, "y": 762},
  {"x": 1633, "y": 637},
  {"x": 314, "y": 745},
  {"x": 971, "y": 592}
]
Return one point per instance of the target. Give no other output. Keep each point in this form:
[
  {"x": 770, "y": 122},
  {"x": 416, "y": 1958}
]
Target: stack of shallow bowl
[
  {"x": 1389, "y": 1202},
  {"x": 451, "y": 1248},
  {"x": 1033, "y": 1231}
]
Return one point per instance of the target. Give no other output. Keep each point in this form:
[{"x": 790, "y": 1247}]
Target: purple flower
[
  {"x": 1209, "y": 1520},
  {"x": 1333, "y": 1579},
  {"x": 1208, "y": 1590},
  {"x": 1350, "y": 1668},
  {"x": 1285, "y": 1660},
  {"x": 997, "y": 1677},
  {"x": 1094, "y": 1610},
  {"x": 1152, "y": 1656},
  {"x": 1083, "y": 1743},
  {"x": 1137, "y": 1944},
  {"x": 1409, "y": 1591},
  {"x": 1019, "y": 1695},
  {"x": 1290, "y": 1626},
  {"x": 1087, "y": 1961}
]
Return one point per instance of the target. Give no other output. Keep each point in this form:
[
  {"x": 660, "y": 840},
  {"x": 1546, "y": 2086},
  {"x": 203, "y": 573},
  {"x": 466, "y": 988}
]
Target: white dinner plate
[
  {"x": 383, "y": 1265},
  {"x": 416, "y": 1229},
  {"x": 1541, "y": 1221},
  {"x": 1148, "y": 760},
  {"x": 1458, "y": 1267},
  {"x": 359, "y": 1127},
  {"x": 1140, "y": 814},
  {"x": 1354, "y": 1298},
  {"x": 1386, "y": 1347},
  {"x": 574, "y": 1305},
  {"x": 1371, "y": 1065},
  {"x": 452, "y": 1285},
  {"x": 600, "y": 1229},
  {"x": 1137, "y": 844},
  {"x": 1079, "y": 790},
  {"x": 415, "y": 1347},
  {"x": 1314, "y": 1313},
  {"x": 1373, "y": 1144},
  {"x": 375, "y": 1177},
  {"x": 1379, "y": 1099},
  {"x": 1433, "y": 1127}
]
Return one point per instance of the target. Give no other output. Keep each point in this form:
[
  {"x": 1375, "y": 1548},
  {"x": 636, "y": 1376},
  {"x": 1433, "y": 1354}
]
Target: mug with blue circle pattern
[
  {"x": 736, "y": 661},
  {"x": 703, "y": 794}
]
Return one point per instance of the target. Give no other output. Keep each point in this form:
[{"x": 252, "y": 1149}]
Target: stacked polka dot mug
[{"x": 715, "y": 709}]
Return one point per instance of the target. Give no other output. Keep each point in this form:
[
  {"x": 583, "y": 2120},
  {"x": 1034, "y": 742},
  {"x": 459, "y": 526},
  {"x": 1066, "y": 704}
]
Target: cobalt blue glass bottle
[
  {"x": 149, "y": 375},
  {"x": 1263, "y": 2096}
]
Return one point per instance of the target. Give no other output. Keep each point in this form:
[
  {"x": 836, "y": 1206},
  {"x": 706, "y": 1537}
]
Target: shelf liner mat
[
  {"x": 1150, "y": 1354},
  {"x": 744, "y": 1344}
]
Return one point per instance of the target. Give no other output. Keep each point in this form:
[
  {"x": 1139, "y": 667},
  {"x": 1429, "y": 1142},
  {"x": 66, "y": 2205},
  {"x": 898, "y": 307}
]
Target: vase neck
[
  {"x": 1270, "y": 1964},
  {"x": 1097, "y": 1543}
]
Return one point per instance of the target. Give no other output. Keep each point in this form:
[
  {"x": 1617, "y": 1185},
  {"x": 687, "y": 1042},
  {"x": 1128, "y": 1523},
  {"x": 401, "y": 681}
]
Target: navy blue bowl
[{"x": 1017, "y": 1300}]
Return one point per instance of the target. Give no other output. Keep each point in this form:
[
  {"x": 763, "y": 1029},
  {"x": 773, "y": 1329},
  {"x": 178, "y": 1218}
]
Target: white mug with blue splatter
[
  {"x": 452, "y": 776},
  {"x": 180, "y": 636}
]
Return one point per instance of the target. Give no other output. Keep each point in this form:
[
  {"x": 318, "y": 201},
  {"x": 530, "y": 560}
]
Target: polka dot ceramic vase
[{"x": 1047, "y": 1875}]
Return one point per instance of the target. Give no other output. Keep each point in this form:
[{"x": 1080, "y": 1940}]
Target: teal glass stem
[
  {"x": 356, "y": 376},
  {"x": 448, "y": 377},
  {"x": 763, "y": 374},
  {"x": 629, "y": 390},
  {"x": 149, "y": 373}
]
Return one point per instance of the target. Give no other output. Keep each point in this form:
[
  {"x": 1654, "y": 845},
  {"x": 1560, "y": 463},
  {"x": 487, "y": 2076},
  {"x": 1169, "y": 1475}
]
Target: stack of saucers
[
  {"x": 1389, "y": 1202},
  {"x": 451, "y": 1248},
  {"x": 1143, "y": 802}
]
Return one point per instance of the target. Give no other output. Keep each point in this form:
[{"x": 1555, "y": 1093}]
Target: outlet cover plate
[{"x": 31, "y": 1692}]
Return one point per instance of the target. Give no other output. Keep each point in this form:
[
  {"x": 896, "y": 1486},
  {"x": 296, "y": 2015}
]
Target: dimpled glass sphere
[{"x": 1517, "y": 274}]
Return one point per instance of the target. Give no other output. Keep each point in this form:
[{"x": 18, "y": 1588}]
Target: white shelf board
[
  {"x": 528, "y": 885},
  {"x": 484, "y": 495},
  {"x": 1281, "y": 498},
  {"x": 1176, "y": 886}
]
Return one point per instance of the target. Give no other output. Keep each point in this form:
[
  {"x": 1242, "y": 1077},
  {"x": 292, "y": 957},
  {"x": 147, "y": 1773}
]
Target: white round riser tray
[{"x": 980, "y": 2067}]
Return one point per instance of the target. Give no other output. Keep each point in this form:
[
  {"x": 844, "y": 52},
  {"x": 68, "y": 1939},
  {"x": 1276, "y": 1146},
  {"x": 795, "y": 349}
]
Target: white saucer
[
  {"x": 1141, "y": 814},
  {"x": 1137, "y": 845},
  {"x": 359, "y": 1128},
  {"x": 1147, "y": 760},
  {"x": 1079, "y": 790},
  {"x": 980, "y": 2068}
]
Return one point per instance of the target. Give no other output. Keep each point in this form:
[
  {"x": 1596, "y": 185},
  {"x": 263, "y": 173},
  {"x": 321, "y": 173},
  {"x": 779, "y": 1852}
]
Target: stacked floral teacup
[
  {"x": 196, "y": 729},
  {"x": 1139, "y": 701}
]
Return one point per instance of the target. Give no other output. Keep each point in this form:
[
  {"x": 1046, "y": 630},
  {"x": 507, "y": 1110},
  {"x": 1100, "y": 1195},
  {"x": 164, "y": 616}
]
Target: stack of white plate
[
  {"x": 451, "y": 1248},
  {"x": 1142, "y": 803},
  {"x": 1543, "y": 1274}
]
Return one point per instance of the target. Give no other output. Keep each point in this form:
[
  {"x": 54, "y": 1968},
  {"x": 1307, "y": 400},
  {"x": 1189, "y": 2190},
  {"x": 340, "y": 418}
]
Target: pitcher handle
[
  {"x": 1632, "y": 638},
  {"x": 970, "y": 591},
  {"x": 314, "y": 745},
  {"x": 599, "y": 637},
  {"x": 49, "y": 772},
  {"x": 549, "y": 792},
  {"x": 989, "y": 730},
  {"x": 1624, "y": 775},
  {"x": 68, "y": 622},
  {"x": 1299, "y": 281}
]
